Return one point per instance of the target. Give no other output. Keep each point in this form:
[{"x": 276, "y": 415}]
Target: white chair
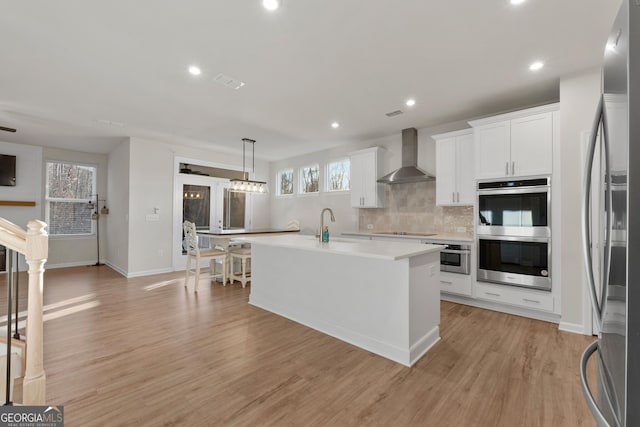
[
  {"x": 191, "y": 240},
  {"x": 242, "y": 255}
]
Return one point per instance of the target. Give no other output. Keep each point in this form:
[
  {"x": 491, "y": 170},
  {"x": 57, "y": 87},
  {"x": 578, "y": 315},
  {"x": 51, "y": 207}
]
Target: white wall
[
  {"x": 70, "y": 251},
  {"x": 151, "y": 185},
  {"x": 307, "y": 208},
  {"x": 578, "y": 98},
  {"x": 28, "y": 186},
  {"x": 117, "y": 225}
]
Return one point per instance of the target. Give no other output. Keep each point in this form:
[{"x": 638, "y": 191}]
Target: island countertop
[
  {"x": 233, "y": 232},
  {"x": 344, "y": 246},
  {"x": 417, "y": 237}
]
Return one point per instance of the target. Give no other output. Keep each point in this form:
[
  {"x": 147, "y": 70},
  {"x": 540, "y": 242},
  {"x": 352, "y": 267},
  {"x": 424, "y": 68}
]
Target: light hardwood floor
[{"x": 146, "y": 351}]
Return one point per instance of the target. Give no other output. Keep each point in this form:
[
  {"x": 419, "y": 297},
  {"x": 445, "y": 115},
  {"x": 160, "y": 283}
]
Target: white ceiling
[{"x": 65, "y": 65}]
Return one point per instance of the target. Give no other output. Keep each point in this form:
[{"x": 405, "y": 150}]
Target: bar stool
[
  {"x": 193, "y": 250},
  {"x": 241, "y": 254}
]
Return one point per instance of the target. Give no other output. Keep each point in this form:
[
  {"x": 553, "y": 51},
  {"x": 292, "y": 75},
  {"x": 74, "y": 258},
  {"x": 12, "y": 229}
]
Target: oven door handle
[{"x": 514, "y": 190}]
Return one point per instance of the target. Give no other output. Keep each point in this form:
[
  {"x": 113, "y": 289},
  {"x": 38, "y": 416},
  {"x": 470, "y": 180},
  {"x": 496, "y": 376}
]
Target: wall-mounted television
[{"x": 7, "y": 170}]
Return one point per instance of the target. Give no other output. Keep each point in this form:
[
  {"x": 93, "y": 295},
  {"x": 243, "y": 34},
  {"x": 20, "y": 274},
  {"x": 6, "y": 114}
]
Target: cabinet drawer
[
  {"x": 537, "y": 300},
  {"x": 455, "y": 283}
]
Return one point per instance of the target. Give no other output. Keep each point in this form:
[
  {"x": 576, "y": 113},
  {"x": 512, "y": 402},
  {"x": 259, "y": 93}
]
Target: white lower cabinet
[
  {"x": 513, "y": 295},
  {"x": 455, "y": 283}
]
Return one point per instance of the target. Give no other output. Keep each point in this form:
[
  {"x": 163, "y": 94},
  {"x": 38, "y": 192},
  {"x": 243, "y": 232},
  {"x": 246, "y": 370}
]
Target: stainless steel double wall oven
[{"x": 514, "y": 232}]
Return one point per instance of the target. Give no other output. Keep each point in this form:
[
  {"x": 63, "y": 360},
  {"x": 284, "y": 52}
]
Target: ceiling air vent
[
  {"x": 393, "y": 113},
  {"x": 228, "y": 81}
]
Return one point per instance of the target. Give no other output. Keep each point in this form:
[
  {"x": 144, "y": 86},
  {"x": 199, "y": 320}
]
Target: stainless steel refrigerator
[{"x": 611, "y": 216}]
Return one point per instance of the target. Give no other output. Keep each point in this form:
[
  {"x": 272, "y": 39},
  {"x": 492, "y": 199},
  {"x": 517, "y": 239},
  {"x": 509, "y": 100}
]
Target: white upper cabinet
[
  {"x": 366, "y": 165},
  {"x": 515, "y": 144},
  {"x": 455, "y": 180},
  {"x": 531, "y": 145},
  {"x": 493, "y": 150}
]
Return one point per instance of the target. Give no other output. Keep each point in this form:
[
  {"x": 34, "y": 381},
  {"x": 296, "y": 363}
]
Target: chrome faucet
[{"x": 333, "y": 219}]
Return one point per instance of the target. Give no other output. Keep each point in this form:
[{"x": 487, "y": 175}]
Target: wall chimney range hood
[{"x": 409, "y": 172}]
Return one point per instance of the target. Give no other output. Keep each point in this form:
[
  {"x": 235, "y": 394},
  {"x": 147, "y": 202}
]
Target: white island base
[{"x": 380, "y": 296}]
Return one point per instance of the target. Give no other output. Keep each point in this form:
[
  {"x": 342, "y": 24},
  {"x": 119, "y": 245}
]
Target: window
[
  {"x": 285, "y": 182},
  {"x": 69, "y": 189},
  {"x": 309, "y": 179},
  {"x": 338, "y": 175}
]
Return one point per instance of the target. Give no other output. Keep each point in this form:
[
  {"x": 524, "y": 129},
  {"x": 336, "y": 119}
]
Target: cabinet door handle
[
  {"x": 506, "y": 168},
  {"x": 445, "y": 282},
  {"x": 492, "y": 294},
  {"x": 453, "y": 196},
  {"x": 513, "y": 168},
  {"x": 458, "y": 196},
  {"x": 531, "y": 300}
]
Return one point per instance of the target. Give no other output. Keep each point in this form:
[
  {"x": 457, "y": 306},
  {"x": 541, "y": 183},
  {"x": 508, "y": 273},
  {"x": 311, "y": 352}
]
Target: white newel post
[{"x": 34, "y": 384}]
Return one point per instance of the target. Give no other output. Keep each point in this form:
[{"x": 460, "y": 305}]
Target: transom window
[
  {"x": 338, "y": 175},
  {"x": 285, "y": 182},
  {"x": 70, "y": 187},
  {"x": 309, "y": 179}
]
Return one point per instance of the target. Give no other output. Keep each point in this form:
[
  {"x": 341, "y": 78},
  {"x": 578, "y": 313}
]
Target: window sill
[{"x": 72, "y": 236}]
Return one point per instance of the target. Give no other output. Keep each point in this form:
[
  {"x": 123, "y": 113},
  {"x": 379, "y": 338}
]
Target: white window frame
[
  {"x": 301, "y": 180},
  {"x": 56, "y": 199},
  {"x": 328, "y": 176},
  {"x": 293, "y": 183}
]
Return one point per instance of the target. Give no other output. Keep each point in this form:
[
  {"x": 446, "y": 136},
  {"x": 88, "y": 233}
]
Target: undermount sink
[
  {"x": 406, "y": 233},
  {"x": 335, "y": 239}
]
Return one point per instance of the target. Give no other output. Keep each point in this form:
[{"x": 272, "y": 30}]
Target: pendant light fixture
[{"x": 247, "y": 185}]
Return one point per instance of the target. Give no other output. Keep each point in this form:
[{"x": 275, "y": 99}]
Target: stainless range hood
[{"x": 409, "y": 172}]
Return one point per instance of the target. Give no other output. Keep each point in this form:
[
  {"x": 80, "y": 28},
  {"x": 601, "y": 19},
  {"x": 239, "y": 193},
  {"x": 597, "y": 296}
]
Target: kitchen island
[{"x": 380, "y": 296}]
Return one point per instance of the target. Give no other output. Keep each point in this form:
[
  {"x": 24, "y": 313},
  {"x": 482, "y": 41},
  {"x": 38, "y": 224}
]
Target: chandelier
[{"x": 248, "y": 185}]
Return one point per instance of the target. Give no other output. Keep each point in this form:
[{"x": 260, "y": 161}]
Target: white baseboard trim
[
  {"x": 72, "y": 264},
  {"x": 423, "y": 345},
  {"x": 116, "y": 268},
  {"x": 404, "y": 356},
  {"x": 149, "y": 272},
  {"x": 576, "y": 328},
  {"x": 503, "y": 308},
  {"x": 112, "y": 266}
]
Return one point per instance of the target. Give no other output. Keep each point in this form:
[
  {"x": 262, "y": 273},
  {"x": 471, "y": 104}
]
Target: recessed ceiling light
[
  {"x": 536, "y": 66},
  {"x": 410, "y": 102},
  {"x": 335, "y": 125},
  {"x": 195, "y": 70},
  {"x": 517, "y": 1},
  {"x": 271, "y": 4}
]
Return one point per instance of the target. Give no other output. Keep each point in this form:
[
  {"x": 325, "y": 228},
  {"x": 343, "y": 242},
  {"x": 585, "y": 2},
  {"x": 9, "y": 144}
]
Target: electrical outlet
[
  {"x": 461, "y": 229},
  {"x": 369, "y": 226},
  {"x": 432, "y": 270}
]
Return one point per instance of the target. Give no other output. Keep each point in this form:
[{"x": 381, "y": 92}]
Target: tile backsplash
[{"x": 412, "y": 208}]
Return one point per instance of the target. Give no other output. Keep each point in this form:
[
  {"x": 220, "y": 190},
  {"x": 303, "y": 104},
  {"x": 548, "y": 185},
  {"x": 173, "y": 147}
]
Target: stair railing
[{"x": 34, "y": 245}]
